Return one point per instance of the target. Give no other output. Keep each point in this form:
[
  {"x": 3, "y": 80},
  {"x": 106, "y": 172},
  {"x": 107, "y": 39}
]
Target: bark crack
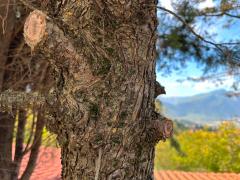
[{"x": 98, "y": 164}]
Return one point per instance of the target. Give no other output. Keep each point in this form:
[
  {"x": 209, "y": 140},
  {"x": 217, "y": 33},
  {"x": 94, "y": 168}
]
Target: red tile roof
[
  {"x": 49, "y": 168},
  {"x": 48, "y": 165},
  {"x": 180, "y": 175}
]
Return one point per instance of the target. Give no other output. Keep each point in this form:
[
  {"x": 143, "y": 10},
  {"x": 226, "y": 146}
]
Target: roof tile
[{"x": 48, "y": 167}]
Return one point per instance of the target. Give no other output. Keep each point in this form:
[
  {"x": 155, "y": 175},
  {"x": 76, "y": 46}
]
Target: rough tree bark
[{"x": 102, "y": 107}]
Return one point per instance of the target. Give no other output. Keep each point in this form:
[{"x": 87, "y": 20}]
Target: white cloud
[
  {"x": 206, "y": 4},
  {"x": 208, "y": 85},
  {"x": 189, "y": 88},
  {"x": 186, "y": 84},
  {"x": 203, "y": 86},
  {"x": 167, "y": 4}
]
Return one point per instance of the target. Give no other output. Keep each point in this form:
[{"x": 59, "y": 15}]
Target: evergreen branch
[
  {"x": 219, "y": 46},
  {"x": 25, "y": 3}
]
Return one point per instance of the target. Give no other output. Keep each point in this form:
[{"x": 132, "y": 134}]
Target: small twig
[
  {"x": 218, "y": 14},
  {"x": 212, "y": 76},
  {"x": 98, "y": 164},
  {"x": 4, "y": 18},
  {"x": 232, "y": 15},
  {"x": 25, "y": 3},
  {"x": 233, "y": 94}
]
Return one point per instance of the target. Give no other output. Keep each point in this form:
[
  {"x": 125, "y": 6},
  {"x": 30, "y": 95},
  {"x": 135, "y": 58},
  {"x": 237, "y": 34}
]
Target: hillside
[{"x": 202, "y": 108}]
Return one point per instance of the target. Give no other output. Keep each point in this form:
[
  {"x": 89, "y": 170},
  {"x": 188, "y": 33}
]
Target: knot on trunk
[
  {"x": 159, "y": 89},
  {"x": 160, "y": 128},
  {"x": 34, "y": 28}
]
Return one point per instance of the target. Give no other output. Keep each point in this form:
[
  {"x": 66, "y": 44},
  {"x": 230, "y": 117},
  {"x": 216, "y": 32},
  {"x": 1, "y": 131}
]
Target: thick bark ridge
[{"x": 102, "y": 108}]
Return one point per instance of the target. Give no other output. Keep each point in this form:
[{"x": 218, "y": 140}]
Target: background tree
[
  {"x": 204, "y": 149},
  {"x": 185, "y": 35},
  {"x": 19, "y": 71}
]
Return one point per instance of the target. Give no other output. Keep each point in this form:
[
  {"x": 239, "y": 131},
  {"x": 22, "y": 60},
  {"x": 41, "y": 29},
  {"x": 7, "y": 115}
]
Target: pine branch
[
  {"x": 221, "y": 47},
  {"x": 216, "y": 45}
]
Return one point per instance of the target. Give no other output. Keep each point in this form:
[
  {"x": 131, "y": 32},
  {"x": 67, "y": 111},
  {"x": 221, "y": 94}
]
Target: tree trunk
[
  {"x": 35, "y": 147},
  {"x": 102, "y": 108},
  {"x": 6, "y": 120}
]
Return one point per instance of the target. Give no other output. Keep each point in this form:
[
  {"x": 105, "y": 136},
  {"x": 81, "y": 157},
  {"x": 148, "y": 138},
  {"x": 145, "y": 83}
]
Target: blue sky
[{"x": 188, "y": 88}]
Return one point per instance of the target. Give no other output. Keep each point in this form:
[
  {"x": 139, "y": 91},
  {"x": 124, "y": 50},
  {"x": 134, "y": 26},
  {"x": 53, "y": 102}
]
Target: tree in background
[
  {"x": 185, "y": 36},
  {"x": 204, "y": 150},
  {"x": 22, "y": 72}
]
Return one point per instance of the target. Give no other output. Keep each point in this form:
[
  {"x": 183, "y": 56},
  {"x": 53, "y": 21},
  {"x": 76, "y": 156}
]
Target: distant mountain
[{"x": 202, "y": 108}]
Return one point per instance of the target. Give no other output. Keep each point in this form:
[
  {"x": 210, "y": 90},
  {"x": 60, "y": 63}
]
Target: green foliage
[
  {"x": 48, "y": 139},
  {"x": 202, "y": 150}
]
